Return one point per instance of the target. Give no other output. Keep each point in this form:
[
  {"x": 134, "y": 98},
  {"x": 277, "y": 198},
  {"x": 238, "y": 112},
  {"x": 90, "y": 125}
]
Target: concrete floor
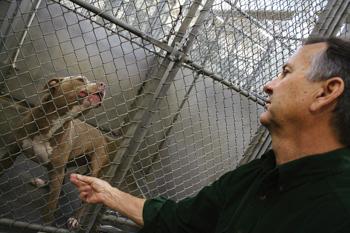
[{"x": 22, "y": 201}]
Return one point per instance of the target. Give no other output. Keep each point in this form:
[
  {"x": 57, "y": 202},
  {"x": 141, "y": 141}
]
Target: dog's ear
[
  {"x": 52, "y": 84},
  {"x": 50, "y": 88}
]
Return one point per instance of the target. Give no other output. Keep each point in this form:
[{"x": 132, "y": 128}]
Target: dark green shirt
[{"x": 309, "y": 195}]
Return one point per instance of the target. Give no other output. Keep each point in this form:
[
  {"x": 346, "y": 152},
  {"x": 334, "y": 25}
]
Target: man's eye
[{"x": 284, "y": 72}]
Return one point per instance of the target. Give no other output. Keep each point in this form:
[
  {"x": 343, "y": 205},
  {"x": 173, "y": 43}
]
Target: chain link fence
[{"x": 184, "y": 85}]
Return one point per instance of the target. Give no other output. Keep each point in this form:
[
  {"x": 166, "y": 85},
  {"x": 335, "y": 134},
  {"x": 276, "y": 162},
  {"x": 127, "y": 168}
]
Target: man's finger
[
  {"x": 84, "y": 188},
  {"x": 83, "y": 196},
  {"x": 74, "y": 179},
  {"x": 86, "y": 179}
]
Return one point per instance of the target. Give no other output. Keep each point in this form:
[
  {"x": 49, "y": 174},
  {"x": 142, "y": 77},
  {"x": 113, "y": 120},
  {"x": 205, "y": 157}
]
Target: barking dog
[{"x": 50, "y": 135}]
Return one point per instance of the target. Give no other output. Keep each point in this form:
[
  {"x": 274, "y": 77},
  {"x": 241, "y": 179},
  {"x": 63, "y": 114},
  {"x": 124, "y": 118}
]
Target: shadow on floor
[{"x": 21, "y": 201}]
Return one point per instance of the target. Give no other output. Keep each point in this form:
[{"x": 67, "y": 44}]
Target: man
[{"x": 301, "y": 186}]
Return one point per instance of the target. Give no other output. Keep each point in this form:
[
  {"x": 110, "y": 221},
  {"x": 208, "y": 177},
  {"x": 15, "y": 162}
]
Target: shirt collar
[{"x": 312, "y": 167}]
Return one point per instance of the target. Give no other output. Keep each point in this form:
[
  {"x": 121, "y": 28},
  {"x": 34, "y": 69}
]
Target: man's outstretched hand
[
  {"x": 96, "y": 191},
  {"x": 92, "y": 190}
]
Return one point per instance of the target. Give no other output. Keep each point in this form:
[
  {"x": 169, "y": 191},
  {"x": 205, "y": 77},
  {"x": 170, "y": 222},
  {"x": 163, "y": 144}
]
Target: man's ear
[{"x": 328, "y": 94}]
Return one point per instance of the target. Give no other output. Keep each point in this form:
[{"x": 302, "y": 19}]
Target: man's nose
[{"x": 268, "y": 87}]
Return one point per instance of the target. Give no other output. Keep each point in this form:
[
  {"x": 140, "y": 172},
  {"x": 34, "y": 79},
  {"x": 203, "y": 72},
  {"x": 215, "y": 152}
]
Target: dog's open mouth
[
  {"x": 92, "y": 99},
  {"x": 96, "y": 98},
  {"x": 101, "y": 94}
]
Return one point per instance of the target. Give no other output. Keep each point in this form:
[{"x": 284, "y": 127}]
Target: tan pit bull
[{"x": 51, "y": 135}]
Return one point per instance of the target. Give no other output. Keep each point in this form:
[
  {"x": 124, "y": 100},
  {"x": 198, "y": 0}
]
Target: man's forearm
[{"x": 126, "y": 204}]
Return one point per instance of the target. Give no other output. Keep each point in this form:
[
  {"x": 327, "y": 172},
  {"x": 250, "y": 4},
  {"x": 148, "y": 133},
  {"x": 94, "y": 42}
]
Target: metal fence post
[{"x": 145, "y": 104}]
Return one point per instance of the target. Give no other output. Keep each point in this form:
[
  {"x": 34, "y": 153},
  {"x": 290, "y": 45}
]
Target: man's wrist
[{"x": 112, "y": 197}]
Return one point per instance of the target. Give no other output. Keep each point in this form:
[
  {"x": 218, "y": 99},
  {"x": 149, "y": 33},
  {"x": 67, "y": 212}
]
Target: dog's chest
[{"x": 40, "y": 146}]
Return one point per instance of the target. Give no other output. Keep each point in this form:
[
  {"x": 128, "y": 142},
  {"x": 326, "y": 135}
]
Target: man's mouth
[{"x": 267, "y": 103}]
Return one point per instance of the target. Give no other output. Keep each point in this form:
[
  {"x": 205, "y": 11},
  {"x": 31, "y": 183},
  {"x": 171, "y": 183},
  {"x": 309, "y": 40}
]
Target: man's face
[{"x": 291, "y": 93}]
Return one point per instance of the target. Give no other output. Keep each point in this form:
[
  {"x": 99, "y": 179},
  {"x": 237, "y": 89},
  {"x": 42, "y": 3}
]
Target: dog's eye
[
  {"x": 83, "y": 94},
  {"x": 82, "y": 80}
]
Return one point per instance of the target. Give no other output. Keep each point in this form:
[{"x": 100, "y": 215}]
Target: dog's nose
[{"x": 101, "y": 85}]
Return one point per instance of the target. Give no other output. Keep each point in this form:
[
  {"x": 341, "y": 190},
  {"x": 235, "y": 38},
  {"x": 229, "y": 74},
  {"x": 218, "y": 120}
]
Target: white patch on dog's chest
[{"x": 41, "y": 147}]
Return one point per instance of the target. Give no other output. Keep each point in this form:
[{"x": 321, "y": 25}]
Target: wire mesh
[{"x": 184, "y": 91}]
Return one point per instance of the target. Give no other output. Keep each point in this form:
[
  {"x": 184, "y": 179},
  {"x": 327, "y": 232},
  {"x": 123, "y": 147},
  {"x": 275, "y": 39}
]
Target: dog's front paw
[
  {"x": 38, "y": 182},
  {"x": 72, "y": 223}
]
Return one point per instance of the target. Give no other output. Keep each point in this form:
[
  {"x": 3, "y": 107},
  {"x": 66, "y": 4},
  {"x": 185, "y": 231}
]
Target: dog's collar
[{"x": 59, "y": 122}]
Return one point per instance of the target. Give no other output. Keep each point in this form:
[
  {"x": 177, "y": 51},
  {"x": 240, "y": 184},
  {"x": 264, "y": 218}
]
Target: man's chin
[{"x": 264, "y": 119}]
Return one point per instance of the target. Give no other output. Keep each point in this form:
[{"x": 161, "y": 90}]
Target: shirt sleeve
[
  {"x": 343, "y": 229},
  {"x": 200, "y": 213},
  {"x": 196, "y": 214}
]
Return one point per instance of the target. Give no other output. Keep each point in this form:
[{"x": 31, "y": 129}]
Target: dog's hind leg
[{"x": 40, "y": 182}]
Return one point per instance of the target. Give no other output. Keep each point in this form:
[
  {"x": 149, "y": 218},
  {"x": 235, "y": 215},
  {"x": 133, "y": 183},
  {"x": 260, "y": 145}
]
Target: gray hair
[{"x": 334, "y": 61}]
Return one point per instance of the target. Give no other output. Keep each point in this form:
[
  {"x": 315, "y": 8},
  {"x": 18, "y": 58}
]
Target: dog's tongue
[{"x": 94, "y": 99}]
